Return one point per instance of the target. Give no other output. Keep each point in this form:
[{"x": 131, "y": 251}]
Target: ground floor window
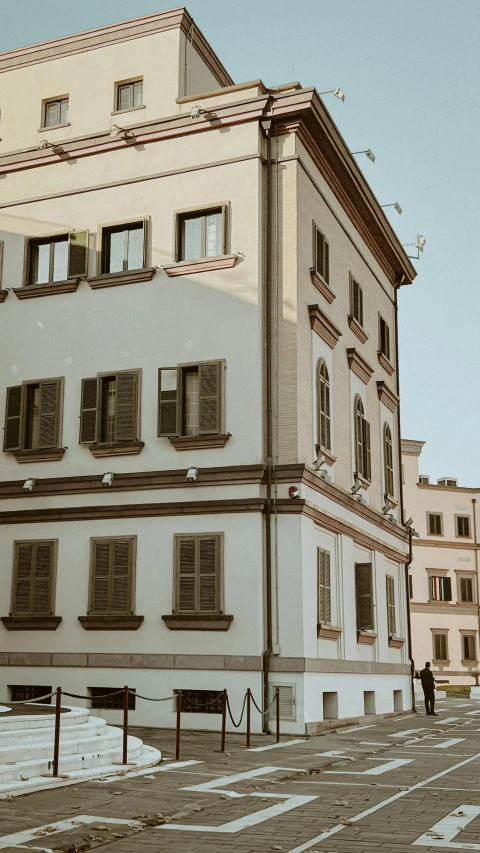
[
  {"x": 201, "y": 701},
  {"x": 110, "y": 698},
  {"x": 27, "y": 692}
]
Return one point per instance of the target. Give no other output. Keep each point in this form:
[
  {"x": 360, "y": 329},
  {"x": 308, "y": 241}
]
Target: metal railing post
[
  {"x": 278, "y": 714},
  {"x": 224, "y": 719},
  {"x": 177, "y": 736},
  {"x": 125, "y": 726},
  {"x": 248, "y": 717},
  {"x": 56, "y": 737}
]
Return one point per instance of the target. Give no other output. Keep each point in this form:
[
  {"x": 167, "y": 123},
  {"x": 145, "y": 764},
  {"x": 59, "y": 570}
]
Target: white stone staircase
[{"x": 89, "y": 749}]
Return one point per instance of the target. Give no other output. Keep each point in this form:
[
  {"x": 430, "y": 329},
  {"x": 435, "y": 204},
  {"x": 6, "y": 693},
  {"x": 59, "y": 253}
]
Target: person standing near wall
[{"x": 428, "y": 684}]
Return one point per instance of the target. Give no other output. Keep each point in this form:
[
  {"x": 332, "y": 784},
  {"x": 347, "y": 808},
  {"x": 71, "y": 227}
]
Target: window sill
[
  {"x": 385, "y": 363},
  {"x": 122, "y": 448},
  {"x": 468, "y": 663},
  {"x": 47, "y": 454},
  {"x": 328, "y": 632},
  {"x": 116, "y": 622},
  {"x": 323, "y": 326},
  {"x": 29, "y": 291},
  {"x": 198, "y": 442},
  {"x": 128, "y": 110},
  {"x": 435, "y": 601},
  {"x": 387, "y": 397},
  {"x": 31, "y": 623},
  {"x": 112, "y": 279},
  {"x": 3, "y": 295},
  {"x": 357, "y": 329},
  {"x": 322, "y": 286},
  {"x": 366, "y": 638},
  {"x": 220, "y": 262},
  {"x": 396, "y": 642},
  {"x": 197, "y": 621},
  {"x": 441, "y": 662},
  {"x": 53, "y": 127},
  {"x": 359, "y": 366}
]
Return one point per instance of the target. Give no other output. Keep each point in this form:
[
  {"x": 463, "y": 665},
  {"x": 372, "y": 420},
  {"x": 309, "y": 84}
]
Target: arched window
[
  {"x": 388, "y": 460},
  {"x": 362, "y": 441},
  {"x": 323, "y": 406}
]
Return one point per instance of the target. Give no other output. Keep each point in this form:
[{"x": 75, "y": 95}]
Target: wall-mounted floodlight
[
  {"x": 337, "y": 92},
  {"x": 356, "y": 486},
  {"x": 319, "y": 463},
  {"x": 419, "y": 246},
  {"x": 394, "y": 204},
  {"x": 127, "y": 135},
  {"x": 388, "y": 506},
  {"x": 368, "y": 152},
  {"x": 192, "y": 474},
  {"x": 326, "y": 476},
  {"x": 107, "y": 479},
  {"x": 29, "y": 484},
  {"x": 408, "y": 523},
  {"x": 197, "y": 111}
]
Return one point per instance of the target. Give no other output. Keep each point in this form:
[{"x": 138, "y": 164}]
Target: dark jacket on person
[{"x": 427, "y": 679}]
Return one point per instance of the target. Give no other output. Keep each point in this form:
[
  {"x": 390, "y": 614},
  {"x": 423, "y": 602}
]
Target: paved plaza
[{"x": 393, "y": 785}]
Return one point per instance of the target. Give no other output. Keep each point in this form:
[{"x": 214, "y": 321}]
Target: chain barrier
[
  {"x": 151, "y": 698},
  {"x": 103, "y": 696},
  {"x": 29, "y": 701},
  {"x": 264, "y": 713},
  {"x": 237, "y": 725},
  {"x": 203, "y": 704}
]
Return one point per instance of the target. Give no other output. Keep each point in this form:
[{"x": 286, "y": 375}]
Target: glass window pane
[
  {"x": 191, "y": 402},
  {"x": 52, "y": 114},
  {"x": 41, "y": 263},
  {"x": 191, "y": 238},
  {"x": 125, "y": 99},
  {"x": 64, "y": 111},
  {"x": 33, "y": 417},
  {"x": 213, "y": 234},
  {"x": 116, "y": 251},
  {"x": 135, "y": 249},
  {"x": 138, "y": 93},
  {"x": 60, "y": 260},
  {"x": 108, "y": 408}
]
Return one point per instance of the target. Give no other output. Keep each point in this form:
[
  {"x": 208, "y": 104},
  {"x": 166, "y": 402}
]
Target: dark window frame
[
  {"x": 363, "y": 465},
  {"x": 131, "y": 579},
  {"x": 24, "y": 416},
  {"x": 439, "y": 587},
  {"x": 105, "y": 232},
  {"x": 219, "y": 608},
  {"x": 51, "y": 102},
  {"x": 174, "y": 400},
  {"x": 383, "y": 337},
  {"x": 356, "y": 300},
  {"x": 98, "y": 409},
  {"x": 201, "y": 212},
  {"x": 432, "y": 515},
  {"x": 324, "y": 587},
  {"x": 114, "y": 702},
  {"x": 324, "y": 417},
  {"x": 321, "y": 254},
  {"x": 388, "y": 469},
  {"x": 459, "y": 523},
  {"x": 128, "y": 84},
  {"x": 201, "y": 701},
  {"x": 27, "y": 692},
  {"x": 471, "y": 638},
  {"x": 32, "y": 577},
  {"x": 442, "y": 637}
]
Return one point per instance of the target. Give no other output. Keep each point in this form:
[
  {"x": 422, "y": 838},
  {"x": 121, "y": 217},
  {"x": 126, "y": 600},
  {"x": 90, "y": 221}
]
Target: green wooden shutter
[
  {"x": 168, "y": 401},
  {"x": 126, "y": 406},
  {"x": 100, "y": 579},
  {"x": 185, "y": 571},
  {"x": 50, "y": 396},
  {"x": 42, "y": 583},
  {"x": 390, "y": 584},
  {"x": 208, "y": 575},
  {"x": 13, "y": 418},
  {"x": 364, "y": 596},
  {"x": 122, "y": 576},
  {"x": 320, "y": 257},
  {"x": 23, "y": 577},
  {"x": 324, "y": 587},
  {"x": 209, "y": 397},
  {"x": 78, "y": 254},
  {"x": 88, "y": 411}
]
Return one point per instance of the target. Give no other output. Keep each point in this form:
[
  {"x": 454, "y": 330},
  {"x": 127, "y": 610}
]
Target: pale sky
[{"x": 410, "y": 73}]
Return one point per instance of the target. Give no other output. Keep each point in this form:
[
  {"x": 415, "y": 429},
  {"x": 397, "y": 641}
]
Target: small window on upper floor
[
  {"x": 356, "y": 301},
  {"x": 424, "y": 479},
  {"x": 201, "y": 234},
  {"x": 323, "y": 406},
  {"x": 55, "y": 112},
  {"x": 123, "y": 247},
  {"x": 434, "y": 523},
  {"x": 384, "y": 338},
  {"x": 321, "y": 255},
  {"x": 440, "y": 588},
  {"x": 388, "y": 461},
  {"x": 462, "y": 525},
  {"x": 362, "y": 441},
  {"x": 33, "y": 415},
  {"x": 129, "y": 95},
  {"x": 56, "y": 258}
]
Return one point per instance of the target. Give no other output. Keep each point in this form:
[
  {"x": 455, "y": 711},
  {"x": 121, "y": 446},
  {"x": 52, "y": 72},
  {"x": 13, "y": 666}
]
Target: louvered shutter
[
  {"x": 360, "y": 304},
  {"x": 77, "y": 254},
  {"x": 121, "y": 576},
  {"x": 387, "y": 341},
  {"x": 368, "y": 454},
  {"x": 320, "y": 256},
  {"x": 23, "y": 579},
  {"x": 50, "y": 395},
  {"x": 287, "y": 701},
  {"x": 359, "y": 439},
  {"x": 324, "y": 588},
  {"x": 391, "y": 606},
  {"x": 100, "y": 582},
  {"x": 126, "y": 406},
  {"x": 364, "y": 596},
  {"x": 42, "y": 584},
  {"x": 88, "y": 411},
  {"x": 447, "y": 589},
  {"x": 209, "y": 397},
  {"x": 208, "y": 560},
  {"x": 13, "y": 418},
  {"x": 168, "y": 401},
  {"x": 327, "y": 262},
  {"x": 186, "y": 554}
]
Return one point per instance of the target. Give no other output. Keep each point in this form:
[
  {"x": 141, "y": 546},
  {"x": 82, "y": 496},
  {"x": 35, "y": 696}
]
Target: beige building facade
[
  {"x": 200, "y": 484},
  {"x": 444, "y": 571}
]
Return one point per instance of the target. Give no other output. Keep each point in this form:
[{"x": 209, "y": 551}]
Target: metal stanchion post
[
  {"x": 177, "y": 738},
  {"x": 224, "y": 719},
  {"x": 125, "y": 726},
  {"x": 56, "y": 738},
  {"x": 278, "y": 714},
  {"x": 248, "y": 718}
]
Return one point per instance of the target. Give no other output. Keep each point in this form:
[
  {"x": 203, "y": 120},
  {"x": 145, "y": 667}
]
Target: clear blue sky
[{"x": 410, "y": 72}]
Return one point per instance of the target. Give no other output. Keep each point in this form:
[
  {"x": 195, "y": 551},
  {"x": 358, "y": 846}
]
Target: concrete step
[
  {"x": 85, "y": 739},
  {"x": 92, "y": 726},
  {"x": 70, "y": 717}
]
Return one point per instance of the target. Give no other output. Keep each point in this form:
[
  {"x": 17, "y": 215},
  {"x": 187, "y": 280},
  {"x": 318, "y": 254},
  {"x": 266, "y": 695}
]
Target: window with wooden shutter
[
  {"x": 391, "y": 622},
  {"x": 434, "y": 524},
  {"x": 324, "y": 616},
  {"x": 78, "y": 254},
  {"x": 384, "y": 338},
  {"x": 33, "y": 578},
  {"x": 109, "y": 408},
  {"x": 323, "y": 406},
  {"x": 440, "y": 588},
  {"x": 112, "y": 576},
  {"x": 364, "y": 596},
  {"x": 198, "y": 573},
  {"x": 321, "y": 253},
  {"x": 362, "y": 441},
  {"x": 469, "y": 647},
  {"x": 88, "y": 411},
  {"x": 124, "y": 247},
  {"x": 33, "y": 415},
  {"x": 388, "y": 460},
  {"x": 462, "y": 525},
  {"x": 465, "y": 589},
  {"x": 440, "y": 647},
  {"x": 56, "y": 258},
  {"x": 201, "y": 233},
  {"x": 356, "y": 301},
  {"x": 190, "y": 399}
]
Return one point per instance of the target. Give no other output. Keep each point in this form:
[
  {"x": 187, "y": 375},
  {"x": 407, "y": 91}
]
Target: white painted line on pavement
[
  {"x": 247, "y": 820},
  {"x": 471, "y": 713},
  {"x": 148, "y": 771},
  {"x": 355, "y": 729},
  {"x": 19, "y": 838},
  {"x": 448, "y": 828},
  {"x": 333, "y": 753},
  {"x": 443, "y": 745},
  {"x": 275, "y": 745},
  {"x": 447, "y": 720},
  {"x": 408, "y": 732},
  {"x": 385, "y": 767},
  {"x": 373, "y": 743},
  {"x": 381, "y": 805},
  {"x": 215, "y": 786}
]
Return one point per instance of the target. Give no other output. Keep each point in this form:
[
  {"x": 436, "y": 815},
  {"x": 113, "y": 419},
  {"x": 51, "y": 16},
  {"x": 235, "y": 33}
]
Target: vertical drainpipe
[
  {"x": 402, "y": 520},
  {"x": 266, "y": 125}
]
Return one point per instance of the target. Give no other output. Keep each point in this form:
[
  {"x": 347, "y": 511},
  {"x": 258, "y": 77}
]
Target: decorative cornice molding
[
  {"x": 197, "y": 622},
  {"x": 322, "y": 286},
  {"x": 323, "y": 326},
  {"x": 387, "y": 396},
  {"x": 385, "y": 363},
  {"x": 114, "y": 279},
  {"x": 121, "y": 448},
  {"x": 358, "y": 365},
  {"x": 47, "y": 454},
  {"x": 198, "y": 442},
  {"x": 32, "y": 290},
  {"x": 223, "y": 262},
  {"x": 357, "y": 329}
]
